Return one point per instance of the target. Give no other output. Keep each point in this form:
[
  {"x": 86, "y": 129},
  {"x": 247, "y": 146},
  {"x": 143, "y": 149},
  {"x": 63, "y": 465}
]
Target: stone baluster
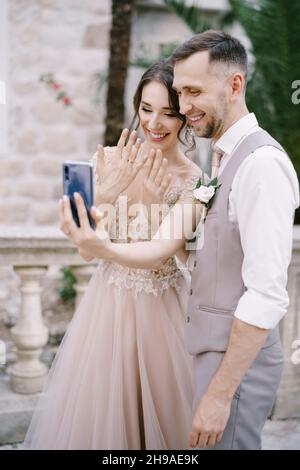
[
  {"x": 83, "y": 274},
  {"x": 29, "y": 334}
]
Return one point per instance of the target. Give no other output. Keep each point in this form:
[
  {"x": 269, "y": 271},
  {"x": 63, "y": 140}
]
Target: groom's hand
[{"x": 209, "y": 422}]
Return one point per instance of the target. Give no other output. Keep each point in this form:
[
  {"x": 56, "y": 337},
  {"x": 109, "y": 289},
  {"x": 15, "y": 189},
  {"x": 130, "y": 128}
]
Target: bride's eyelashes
[{"x": 150, "y": 111}]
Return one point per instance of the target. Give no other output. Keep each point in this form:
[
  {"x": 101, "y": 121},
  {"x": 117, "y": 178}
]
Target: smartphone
[{"x": 78, "y": 178}]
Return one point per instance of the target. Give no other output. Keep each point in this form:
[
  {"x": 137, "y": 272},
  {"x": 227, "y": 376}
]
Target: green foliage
[
  {"x": 144, "y": 60},
  {"x": 100, "y": 80},
  {"x": 190, "y": 14},
  {"x": 272, "y": 27},
  {"x": 67, "y": 292},
  {"x": 167, "y": 49}
]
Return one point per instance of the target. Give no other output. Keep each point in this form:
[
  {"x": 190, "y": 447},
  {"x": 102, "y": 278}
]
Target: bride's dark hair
[{"x": 161, "y": 72}]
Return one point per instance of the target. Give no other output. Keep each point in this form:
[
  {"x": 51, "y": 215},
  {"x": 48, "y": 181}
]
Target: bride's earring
[{"x": 189, "y": 135}]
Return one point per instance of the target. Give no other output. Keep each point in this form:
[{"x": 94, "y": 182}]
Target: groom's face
[{"x": 203, "y": 94}]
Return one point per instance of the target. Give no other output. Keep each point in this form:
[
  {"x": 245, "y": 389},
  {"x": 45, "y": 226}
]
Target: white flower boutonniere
[{"x": 205, "y": 193}]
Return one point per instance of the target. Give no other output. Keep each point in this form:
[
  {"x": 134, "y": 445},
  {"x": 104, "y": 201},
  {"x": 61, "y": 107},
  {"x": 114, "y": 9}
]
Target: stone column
[
  {"x": 29, "y": 334},
  {"x": 83, "y": 275}
]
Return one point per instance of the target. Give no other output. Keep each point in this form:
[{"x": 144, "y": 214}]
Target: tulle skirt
[{"x": 121, "y": 378}]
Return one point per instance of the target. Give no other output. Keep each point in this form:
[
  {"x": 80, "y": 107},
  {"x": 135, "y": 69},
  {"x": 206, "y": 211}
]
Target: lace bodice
[{"x": 139, "y": 229}]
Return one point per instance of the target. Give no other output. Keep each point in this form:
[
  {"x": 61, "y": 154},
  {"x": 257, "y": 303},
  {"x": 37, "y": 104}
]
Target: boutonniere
[{"x": 205, "y": 193}]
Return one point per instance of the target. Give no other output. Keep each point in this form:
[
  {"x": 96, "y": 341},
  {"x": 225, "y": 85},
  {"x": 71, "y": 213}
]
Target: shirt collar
[{"x": 229, "y": 140}]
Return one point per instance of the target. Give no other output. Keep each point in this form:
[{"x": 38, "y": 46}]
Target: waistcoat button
[
  {"x": 188, "y": 319},
  {"x": 191, "y": 292},
  {"x": 195, "y": 263}
]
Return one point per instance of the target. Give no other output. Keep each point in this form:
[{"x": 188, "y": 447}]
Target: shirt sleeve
[{"x": 265, "y": 195}]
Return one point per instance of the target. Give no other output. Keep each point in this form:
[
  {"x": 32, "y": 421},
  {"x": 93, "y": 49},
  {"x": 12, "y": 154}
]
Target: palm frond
[
  {"x": 190, "y": 14},
  {"x": 227, "y": 19},
  {"x": 273, "y": 29}
]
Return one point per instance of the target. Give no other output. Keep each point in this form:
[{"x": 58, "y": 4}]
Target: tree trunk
[{"x": 118, "y": 64}]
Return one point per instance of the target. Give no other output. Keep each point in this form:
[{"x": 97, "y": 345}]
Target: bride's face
[{"x": 157, "y": 122}]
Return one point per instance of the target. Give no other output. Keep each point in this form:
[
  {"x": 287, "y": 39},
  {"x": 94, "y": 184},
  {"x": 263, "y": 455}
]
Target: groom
[{"x": 238, "y": 293}]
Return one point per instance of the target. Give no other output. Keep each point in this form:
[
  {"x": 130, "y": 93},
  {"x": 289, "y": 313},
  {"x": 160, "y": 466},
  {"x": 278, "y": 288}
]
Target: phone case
[{"x": 78, "y": 178}]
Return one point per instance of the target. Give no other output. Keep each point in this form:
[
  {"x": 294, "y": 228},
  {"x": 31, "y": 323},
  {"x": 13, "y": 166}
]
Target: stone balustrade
[{"x": 32, "y": 250}]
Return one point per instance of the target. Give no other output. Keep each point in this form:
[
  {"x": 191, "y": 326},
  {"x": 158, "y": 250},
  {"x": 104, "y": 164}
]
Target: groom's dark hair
[{"x": 221, "y": 47}]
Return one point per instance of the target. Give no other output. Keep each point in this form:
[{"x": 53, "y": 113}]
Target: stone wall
[{"x": 69, "y": 39}]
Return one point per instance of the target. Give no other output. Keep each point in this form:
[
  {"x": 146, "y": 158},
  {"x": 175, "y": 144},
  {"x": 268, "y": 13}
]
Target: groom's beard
[
  {"x": 212, "y": 128},
  {"x": 214, "y": 124}
]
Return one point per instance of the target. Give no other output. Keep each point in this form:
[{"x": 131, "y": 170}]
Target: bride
[{"x": 121, "y": 378}]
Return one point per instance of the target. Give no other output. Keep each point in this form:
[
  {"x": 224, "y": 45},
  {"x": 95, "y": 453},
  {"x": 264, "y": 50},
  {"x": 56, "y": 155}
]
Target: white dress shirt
[{"x": 264, "y": 196}]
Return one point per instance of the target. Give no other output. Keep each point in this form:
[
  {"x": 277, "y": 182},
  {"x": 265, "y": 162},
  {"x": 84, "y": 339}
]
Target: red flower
[
  {"x": 56, "y": 86},
  {"x": 66, "y": 100}
]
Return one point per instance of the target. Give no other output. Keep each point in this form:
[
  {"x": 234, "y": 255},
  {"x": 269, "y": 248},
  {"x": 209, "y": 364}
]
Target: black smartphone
[{"x": 78, "y": 178}]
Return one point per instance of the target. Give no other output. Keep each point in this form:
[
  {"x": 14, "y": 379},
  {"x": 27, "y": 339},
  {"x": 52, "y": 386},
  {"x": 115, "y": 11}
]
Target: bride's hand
[
  {"x": 89, "y": 243},
  {"x": 121, "y": 169},
  {"x": 156, "y": 179}
]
